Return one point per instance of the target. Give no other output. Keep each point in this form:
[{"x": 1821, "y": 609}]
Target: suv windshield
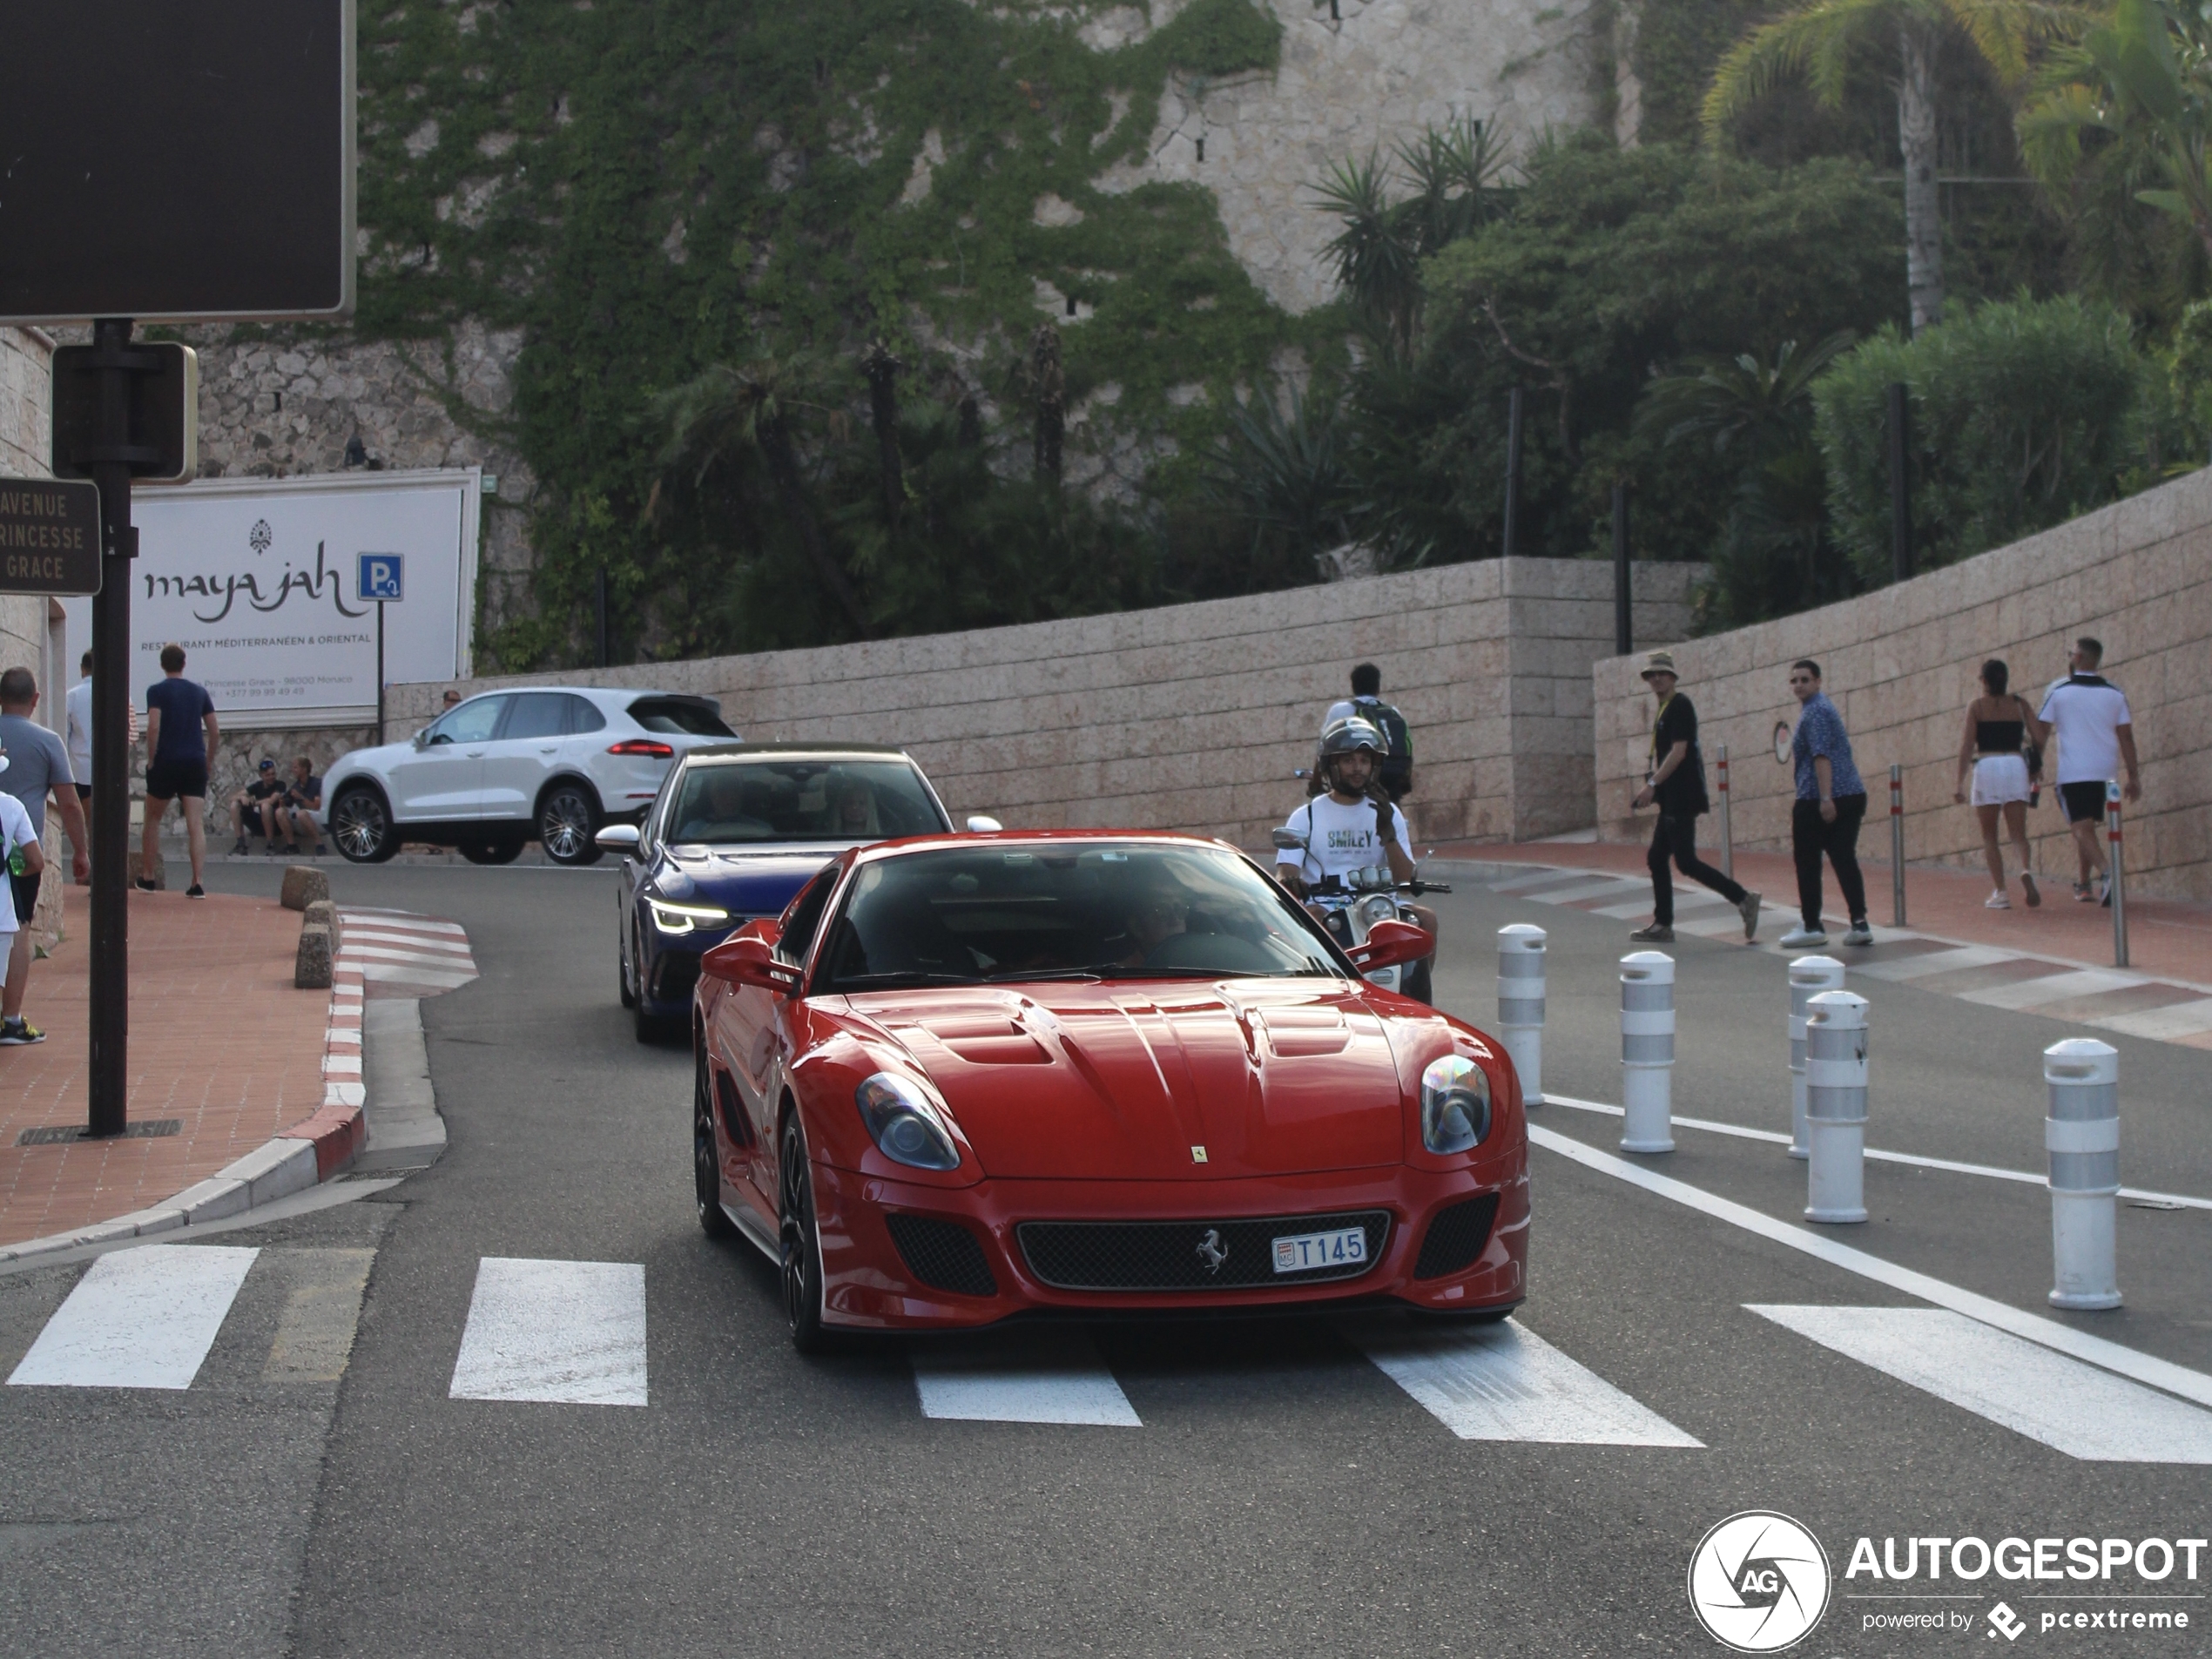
[
  {"x": 974, "y": 915},
  {"x": 801, "y": 800}
]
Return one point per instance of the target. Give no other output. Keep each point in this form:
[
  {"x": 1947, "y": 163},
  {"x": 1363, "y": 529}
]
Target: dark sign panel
[
  {"x": 50, "y": 536},
  {"x": 169, "y": 162},
  {"x": 161, "y": 418}
]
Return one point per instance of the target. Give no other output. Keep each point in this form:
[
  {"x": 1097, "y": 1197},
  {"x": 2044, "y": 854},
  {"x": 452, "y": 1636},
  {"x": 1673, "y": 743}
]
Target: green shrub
[{"x": 2024, "y": 413}]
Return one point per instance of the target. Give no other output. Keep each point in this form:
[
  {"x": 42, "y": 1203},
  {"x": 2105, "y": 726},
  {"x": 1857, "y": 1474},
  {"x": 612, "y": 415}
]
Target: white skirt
[{"x": 1999, "y": 779}]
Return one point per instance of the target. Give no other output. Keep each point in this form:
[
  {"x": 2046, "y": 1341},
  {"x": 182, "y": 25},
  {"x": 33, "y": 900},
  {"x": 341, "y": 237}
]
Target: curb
[{"x": 311, "y": 1151}]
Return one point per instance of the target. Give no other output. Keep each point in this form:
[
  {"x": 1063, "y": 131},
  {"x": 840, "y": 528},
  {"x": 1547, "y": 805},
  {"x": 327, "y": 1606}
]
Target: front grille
[
  {"x": 1456, "y": 1236},
  {"x": 1169, "y": 1255},
  {"x": 943, "y": 1254}
]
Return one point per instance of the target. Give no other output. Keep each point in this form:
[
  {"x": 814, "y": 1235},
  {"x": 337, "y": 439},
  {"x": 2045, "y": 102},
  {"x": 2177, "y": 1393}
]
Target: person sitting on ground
[
  {"x": 1999, "y": 724},
  {"x": 258, "y": 800},
  {"x": 295, "y": 812}
]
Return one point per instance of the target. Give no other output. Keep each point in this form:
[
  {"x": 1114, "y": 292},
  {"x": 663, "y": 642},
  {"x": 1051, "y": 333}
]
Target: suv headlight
[
  {"x": 1455, "y": 1105},
  {"x": 684, "y": 918},
  {"x": 904, "y": 1124}
]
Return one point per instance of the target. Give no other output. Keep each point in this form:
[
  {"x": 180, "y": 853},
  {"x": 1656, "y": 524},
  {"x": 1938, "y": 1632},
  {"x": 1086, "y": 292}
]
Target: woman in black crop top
[{"x": 1998, "y": 723}]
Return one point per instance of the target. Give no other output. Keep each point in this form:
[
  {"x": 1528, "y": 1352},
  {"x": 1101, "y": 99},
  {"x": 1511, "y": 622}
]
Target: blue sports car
[{"x": 736, "y": 831}]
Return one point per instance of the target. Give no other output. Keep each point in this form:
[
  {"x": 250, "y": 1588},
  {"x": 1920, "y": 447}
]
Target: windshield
[
  {"x": 976, "y": 915},
  {"x": 726, "y": 801},
  {"x": 690, "y": 717}
]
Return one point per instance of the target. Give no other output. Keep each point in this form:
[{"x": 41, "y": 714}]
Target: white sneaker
[
  {"x": 1803, "y": 938},
  {"x": 1997, "y": 900},
  {"x": 1860, "y": 933}
]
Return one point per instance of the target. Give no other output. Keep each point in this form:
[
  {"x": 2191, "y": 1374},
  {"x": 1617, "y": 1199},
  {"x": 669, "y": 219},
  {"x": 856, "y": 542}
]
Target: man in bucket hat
[{"x": 1676, "y": 787}]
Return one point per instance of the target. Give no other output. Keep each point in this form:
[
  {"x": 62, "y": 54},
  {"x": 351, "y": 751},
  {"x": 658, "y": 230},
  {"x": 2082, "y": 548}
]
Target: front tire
[
  {"x": 567, "y": 821},
  {"x": 801, "y": 1241},
  {"x": 622, "y": 970},
  {"x": 706, "y": 1163},
  {"x": 362, "y": 827}
]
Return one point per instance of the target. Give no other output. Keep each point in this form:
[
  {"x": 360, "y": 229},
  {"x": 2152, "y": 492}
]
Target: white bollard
[
  {"x": 1835, "y": 1106},
  {"x": 1809, "y": 976},
  {"x": 1647, "y": 1052},
  {"x": 1520, "y": 1005},
  {"x": 2083, "y": 1135}
]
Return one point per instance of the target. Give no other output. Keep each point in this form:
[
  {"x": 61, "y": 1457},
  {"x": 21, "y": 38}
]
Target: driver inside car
[
  {"x": 725, "y": 818},
  {"x": 1350, "y": 825},
  {"x": 1159, "y": 910}
]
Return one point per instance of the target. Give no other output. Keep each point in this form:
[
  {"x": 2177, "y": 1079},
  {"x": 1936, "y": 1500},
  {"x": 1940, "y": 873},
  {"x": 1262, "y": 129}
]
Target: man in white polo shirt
[{"x": 2095, "y": 732}]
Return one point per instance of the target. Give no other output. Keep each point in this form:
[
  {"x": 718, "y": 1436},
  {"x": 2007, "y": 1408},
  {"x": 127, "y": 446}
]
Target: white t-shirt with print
[
  {"x": 15, "y": 832},
  {"x": 1340, "y": 839},
  {"x": 2087, "y": 719}
]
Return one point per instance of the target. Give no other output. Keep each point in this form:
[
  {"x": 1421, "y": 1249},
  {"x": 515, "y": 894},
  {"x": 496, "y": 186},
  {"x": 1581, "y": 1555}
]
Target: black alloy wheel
[
  {"x": 800, "y": 1246},
  {"x": 567, "y": 820},
  {"x": 505, "y": 850},
  {"x": 362, "y": 828},
  {"x": 706, "y": 1173}
]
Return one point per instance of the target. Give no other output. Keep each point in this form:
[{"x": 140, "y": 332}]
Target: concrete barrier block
[
  {"x": 303, "y": 885},
  {"x": 310, "y": 965}
]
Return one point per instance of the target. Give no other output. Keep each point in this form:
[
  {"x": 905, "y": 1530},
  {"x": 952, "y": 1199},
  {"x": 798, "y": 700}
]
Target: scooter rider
[{"x": 1347, "y": 827}]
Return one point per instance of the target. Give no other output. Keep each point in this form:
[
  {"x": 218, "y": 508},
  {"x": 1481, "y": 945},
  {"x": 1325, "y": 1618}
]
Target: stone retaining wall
[
  {"x": 1901, "y": 664},
  {"x": 1193, "y": 717}
]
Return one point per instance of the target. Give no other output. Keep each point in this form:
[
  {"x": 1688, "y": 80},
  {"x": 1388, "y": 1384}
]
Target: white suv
[{"x": 549, "y": 764}]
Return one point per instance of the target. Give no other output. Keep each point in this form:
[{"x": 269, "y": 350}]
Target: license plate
[{"x": 1302, "y": 1252}]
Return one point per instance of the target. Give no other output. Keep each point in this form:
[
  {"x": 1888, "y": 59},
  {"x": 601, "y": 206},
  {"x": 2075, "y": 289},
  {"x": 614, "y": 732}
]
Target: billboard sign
[
  {"x": 261, "y": 581},
  {"x": 169, "y": 163}
]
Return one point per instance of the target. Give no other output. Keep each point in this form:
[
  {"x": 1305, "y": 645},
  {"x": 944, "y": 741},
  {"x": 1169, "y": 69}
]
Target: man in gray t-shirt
[{"x": 37, "y": 767}]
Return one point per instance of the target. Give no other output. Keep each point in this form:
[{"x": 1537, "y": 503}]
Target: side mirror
[
  {"x": 421, "y": 739},
  {"x": 1391, "y": 943},
  {"x": 980, "y": 825},
  {"x": 749, "y": 961},
  {"x": 1289, "y": 841},
  {"x": 618, "y": 838}
]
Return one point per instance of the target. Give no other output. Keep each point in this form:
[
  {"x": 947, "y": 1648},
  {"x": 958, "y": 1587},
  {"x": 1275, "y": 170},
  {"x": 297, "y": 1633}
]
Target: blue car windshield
[
  {"x": 725, "y": 802},
  {"x": 984, "y": 914}
]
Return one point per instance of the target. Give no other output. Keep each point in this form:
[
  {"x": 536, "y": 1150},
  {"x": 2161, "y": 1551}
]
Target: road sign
[
  {"x": 168, "y": 162},
  {"x": 163, "y": 421},
  {"x": 379, "y": 576},
  {"x": 50, "y": 536}
]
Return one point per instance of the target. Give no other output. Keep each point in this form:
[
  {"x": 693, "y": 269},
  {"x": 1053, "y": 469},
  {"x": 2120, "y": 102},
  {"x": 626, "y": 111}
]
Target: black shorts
[
  {"x": 84, "y": 792},
  {"x": 171, "y": 779},
  {"x": 2082, "y": 802},
  {"x": 26, "y": 888}
]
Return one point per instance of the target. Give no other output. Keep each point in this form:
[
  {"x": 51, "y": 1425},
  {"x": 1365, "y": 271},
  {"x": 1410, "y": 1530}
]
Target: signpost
[
  {"x": 380, "y": 579},
  {"x": 50, "y": 536},
  {"x": 211, "y": 177}
]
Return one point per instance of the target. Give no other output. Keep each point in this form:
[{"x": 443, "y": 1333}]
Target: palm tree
[
  {"x": 1818, "y": 41},
  {"x": 2143, "y": 80}
]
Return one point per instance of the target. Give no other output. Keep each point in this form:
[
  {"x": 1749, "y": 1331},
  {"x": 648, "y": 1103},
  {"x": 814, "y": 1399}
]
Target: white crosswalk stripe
[
  {"x": 1054, "y": 1377},
  {"x": 138, "y": 1319},
  {"x": 439, "y": 943},
  {"x": 2075, "y": 1408},
  {"x": 1504, "y": 1382},
  {"x": 553, "y": 1332}
]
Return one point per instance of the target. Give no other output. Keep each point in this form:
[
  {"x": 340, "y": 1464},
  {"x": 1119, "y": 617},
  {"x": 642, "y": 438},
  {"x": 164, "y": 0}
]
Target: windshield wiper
[{"x": 877, "y": 982}]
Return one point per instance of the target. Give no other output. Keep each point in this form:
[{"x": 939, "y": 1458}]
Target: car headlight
[
  {"x": 903, "y": 1123},
  {"x": 1455, "y": 1105},
  {"x": 684, "y": 918}
]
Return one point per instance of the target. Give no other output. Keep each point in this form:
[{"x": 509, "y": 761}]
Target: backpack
[{"x": 1396, "y": 774}]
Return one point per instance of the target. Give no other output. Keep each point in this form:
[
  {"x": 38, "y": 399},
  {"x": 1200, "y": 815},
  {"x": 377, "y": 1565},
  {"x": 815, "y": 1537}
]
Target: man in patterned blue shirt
[{"x": 1824, "y": 820}]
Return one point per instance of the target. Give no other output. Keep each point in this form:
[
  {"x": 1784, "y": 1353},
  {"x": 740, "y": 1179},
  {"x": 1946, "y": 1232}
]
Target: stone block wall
[
  {"x": 1193, "y": 717},
  {"x": 1901, "y": 664}
]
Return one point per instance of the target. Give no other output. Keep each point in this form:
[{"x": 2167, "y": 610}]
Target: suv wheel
[
  {"x": 362, "y": 827},
  {"x": 568, "y": 819}
]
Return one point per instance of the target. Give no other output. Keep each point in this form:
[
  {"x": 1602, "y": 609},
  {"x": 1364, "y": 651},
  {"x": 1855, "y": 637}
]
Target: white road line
[
  {"x": 138, "y": 1319},
  {"x": 1054, "y": 1377},
  {"x": 420, "y": 942},
  {"x": 1612, "y": 886},
  {"x": 564, "y": 1333},
  {"x": 2073, "y": 1408},
  {"x": 2027, "y": 994},
  {"x": 1988, "y": 1172},
  {"x": 1507, "y": 1382},
  {"x": 1535, "y": 878},
  {"x": 2175, "y": 1020},
  {"x": 2127, "y": 1362}
]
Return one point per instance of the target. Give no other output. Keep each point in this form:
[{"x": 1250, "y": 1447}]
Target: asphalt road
[{"x": 1283, "y": 1495}]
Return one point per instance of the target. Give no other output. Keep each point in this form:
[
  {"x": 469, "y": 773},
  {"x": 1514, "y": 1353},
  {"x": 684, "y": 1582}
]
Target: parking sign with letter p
[{"x": 380, "y": 576}]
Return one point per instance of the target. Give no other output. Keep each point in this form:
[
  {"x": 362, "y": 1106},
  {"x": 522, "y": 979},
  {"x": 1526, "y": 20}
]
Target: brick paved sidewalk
[{"x": 220, "y": 1043}]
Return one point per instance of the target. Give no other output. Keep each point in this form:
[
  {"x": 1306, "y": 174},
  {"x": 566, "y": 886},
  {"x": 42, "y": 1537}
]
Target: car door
[
  {"x": 755, "y": 1025},
  {"x": 443, "y": 779},
  {"x": 523, "y": 754}
]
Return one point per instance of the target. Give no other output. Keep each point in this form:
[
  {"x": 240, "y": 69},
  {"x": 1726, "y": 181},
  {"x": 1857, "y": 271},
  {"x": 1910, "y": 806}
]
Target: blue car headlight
[
  {"x": 904, "y": 1122},
  {"x": 1455, "y": 1105},
  {"x": 676, "y": 918}
]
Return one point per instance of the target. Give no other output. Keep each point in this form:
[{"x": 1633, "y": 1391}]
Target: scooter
[{"x": 1353, "y": 903}]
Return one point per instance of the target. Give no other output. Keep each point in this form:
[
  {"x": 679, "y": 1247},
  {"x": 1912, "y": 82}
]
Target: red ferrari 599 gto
[{"x": 966, "y": 1078}]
